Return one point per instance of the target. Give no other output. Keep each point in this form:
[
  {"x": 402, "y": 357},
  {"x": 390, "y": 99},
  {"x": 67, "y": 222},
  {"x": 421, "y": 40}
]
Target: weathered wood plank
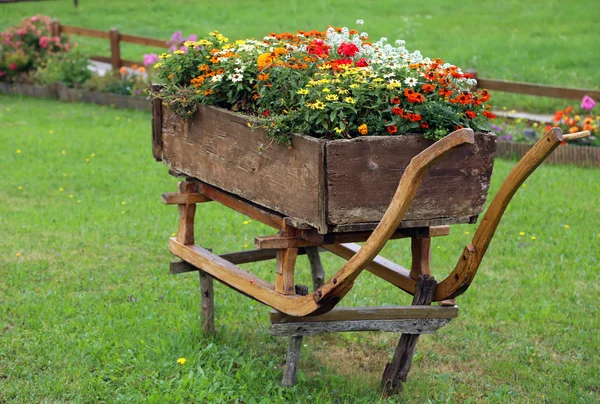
[
  {"x": 411, "y": 326},
  {"x": 371, "y": 313},
  {"x": 292, "y": 361},
  {"x": 363, "y": 173},
  {"x": 207, "y": 310},
  {"x": 175, "y": 198},
  {"x": 217, "y": 147}
]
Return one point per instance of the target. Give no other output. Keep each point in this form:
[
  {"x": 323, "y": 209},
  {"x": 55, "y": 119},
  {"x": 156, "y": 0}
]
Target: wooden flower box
[{"x": 330, "y": 185}]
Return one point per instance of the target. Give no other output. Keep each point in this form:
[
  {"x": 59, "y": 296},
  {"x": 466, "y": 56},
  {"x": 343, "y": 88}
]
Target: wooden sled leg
[
  {"x": 207, "y": 311},
  {"x": 396, "y": 371},
  {"x": 295, "y": 348}
]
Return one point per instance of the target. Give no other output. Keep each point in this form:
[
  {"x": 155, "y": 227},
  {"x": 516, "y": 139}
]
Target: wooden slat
[
  {"x": 67, "y": 29},
  {"x": 405, "y": 224},
  {"x": 175, "y": 198},
  {"x": 537, "y": 89},
  {"x": 413, "y": 326},
  {"x": 371, "y": 313},
  {"x": 244, "y": 207},
  {"x": 142, "y": 40}
]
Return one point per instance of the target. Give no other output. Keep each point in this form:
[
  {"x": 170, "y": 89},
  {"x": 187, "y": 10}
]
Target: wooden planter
[
  {"x": 331, "y": 185},
  {"x": 92, "y": 97},
  {"x": 30, "y": 90}
]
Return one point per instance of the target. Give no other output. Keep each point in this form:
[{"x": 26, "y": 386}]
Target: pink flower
[
  {"x": 587, "y": 103},
  {"x": 44, "y": 41},
  {"x": 12, "y": 66},
  {"x": 2, "y": 74},
  {"x": 150, "y": 58}
]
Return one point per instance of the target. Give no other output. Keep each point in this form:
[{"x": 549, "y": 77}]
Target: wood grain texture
[
  {"x": 411, "y": 326},
  {"x": 187, "y": 213},
  {"x": 421, "y": 257},
  {"x": 292, "y": 361},
  {"x": 207, "y": 304},
  {"x": 362, "y": 175},
  {"x": 371, "y": 313},
  {"x": 216, "y": 147}
]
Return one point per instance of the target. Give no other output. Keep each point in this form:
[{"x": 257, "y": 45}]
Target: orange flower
[
  {"x": 424, "y": 125},
  {"x": 573, "y": 129},
  {"x": 397, "y": 111},
  {"x": 207, "y": 92},
  {"x": 489, "y": 114},
  {"x": 123, "y": 70},
  {"x": 471, "y": 114},
  {"x": 427, "y": 88},
  {"x": 363, "y": 129},
  {"x": 134, "y": 66},
  {"x": 141, "y": 69},
  {"x": 392, "y": 129},
  {"x": 264, "y": 60},
  {"x": 263, "y": 77},
  {"x": 396, "y": 100}
]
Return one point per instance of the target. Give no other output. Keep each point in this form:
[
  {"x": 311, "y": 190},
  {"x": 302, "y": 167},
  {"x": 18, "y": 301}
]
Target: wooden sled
[{"x": 295, "y": 302}]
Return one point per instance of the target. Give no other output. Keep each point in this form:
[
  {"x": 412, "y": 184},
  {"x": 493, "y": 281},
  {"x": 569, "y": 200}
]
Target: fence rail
[{"x": 115, "y": 38}]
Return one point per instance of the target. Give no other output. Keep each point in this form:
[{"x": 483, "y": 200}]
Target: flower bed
[{"x": 333, "y": 84}]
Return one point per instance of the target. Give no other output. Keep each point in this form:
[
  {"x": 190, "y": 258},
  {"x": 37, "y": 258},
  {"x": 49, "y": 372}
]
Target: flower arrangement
[
  {"x": 28, "y": 46},
  {"x": 571, "y": 121},
  {"x": 333, "y": 84}
]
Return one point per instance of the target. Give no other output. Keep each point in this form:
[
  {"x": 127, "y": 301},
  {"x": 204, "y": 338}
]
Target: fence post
[
  {"x": 55, "y": 27},
  {"x": 115, "y": 48}
]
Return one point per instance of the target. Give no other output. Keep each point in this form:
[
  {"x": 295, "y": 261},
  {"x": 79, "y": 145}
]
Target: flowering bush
[
  {"x": 28, "y": 46},
  {"x": 570, "y": 121},
  {"x": 333, "y": 84}
]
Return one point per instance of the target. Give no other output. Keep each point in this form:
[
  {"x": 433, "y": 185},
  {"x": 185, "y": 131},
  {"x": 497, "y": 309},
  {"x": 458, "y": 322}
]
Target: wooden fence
[
  {"x": 585, "y": 156},
  {"x": 115, "y": 38}
]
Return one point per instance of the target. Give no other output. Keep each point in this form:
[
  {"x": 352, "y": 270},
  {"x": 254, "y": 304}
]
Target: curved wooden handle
[
  {"x": 403, "y": 197},
  {"x": 466, "y": 268}
]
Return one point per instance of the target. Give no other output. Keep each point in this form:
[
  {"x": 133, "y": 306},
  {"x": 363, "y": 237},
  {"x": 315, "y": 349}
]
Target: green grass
[
  {"x": 88, "y": 311},
  {"x": 538, "y": 41}
]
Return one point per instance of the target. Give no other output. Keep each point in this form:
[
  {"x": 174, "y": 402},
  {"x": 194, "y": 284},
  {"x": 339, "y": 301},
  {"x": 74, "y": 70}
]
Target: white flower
[
  {"x": 360, "y": 22},
  {"x": 364, "y": 35},
  {"x": 410, "y": 81},
  {"x": 235, "y": 77},
  {"x": 239, "y": 70},
  {"x": 216, "y": 78},
  {"x": 388, "y": 75}
]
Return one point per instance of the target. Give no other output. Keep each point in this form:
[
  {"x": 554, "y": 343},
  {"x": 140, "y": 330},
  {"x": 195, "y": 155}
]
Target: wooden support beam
[
  {"x": 185, "y": 232},
  {"x": 421, "y": 257},
  {"x": 115, "y": 49},
  {"x": 207, "y": 311},
  {"x": 409, "y": 326},
  {"x": 239, "y": 205},
  {"x": 285, "y": 263},
  {"x": 316, "y": 267},
  {"x": 396, "y": 372},
  {"x": 176, "y": 198},
  {"x": 292, "y": 361},
  {"x": 371, "y": 313}
]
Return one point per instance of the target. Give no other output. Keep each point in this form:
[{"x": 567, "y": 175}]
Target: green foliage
[{"x": 70, "y": 69}]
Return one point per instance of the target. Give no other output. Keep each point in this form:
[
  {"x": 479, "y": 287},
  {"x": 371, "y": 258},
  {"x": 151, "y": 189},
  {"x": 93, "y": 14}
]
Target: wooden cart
[{"x": 300, "y": 312}]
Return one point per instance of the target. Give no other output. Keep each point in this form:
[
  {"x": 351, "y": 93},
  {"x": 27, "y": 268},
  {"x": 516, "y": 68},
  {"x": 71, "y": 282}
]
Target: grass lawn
[
  {"x": 88, "y": 311},
  {"x": 538, "y": 41}
]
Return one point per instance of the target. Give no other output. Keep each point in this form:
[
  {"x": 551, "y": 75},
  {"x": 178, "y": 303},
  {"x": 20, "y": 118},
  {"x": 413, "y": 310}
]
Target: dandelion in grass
[
  {"x": 123, "y": 203},
  {"x": 533, "y": 237},
  {"x": 20, "y": 188},
  {"x": 17, "y": 255},
  {"x": 246, "y": 222},
  {"x": 521, "y": 233},
  {"x": 181, "y": 361},
  {"x": 467, "y": 232},
  {"x": 245, "y": 245},
  {"x": 87, "y": 160},
  {"x": 71, "y": 196},
  {"x": 61, "y": 189},
  {"x": 567, "y": 226},
  {"x": 173, "y": 234},
  {"x": 78, "y": 200},
  {"x": 18, "y": 151},
  {"x": 92, "y": 155},
  {"x": 63, "y": 152},
  {"x": 122, "y": 212}
]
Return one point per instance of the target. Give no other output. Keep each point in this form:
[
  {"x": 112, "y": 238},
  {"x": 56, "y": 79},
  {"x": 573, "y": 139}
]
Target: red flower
[
  {"x": 444, "y": 92},
  {"x": 361, "y": 63},
  {"x": 414, "y": 117},
  {"x": 266, "y": 113},
  {"x": 319, "y": 48},
  {"x": 12, "y": 66},
  {"x": 392, "y": 129},
  {"x": 397, "y": 111},
  {"x": 396, "y": 100},
  {"x": 424, "y": 125},
  {"x": 427, "y": 88},
  {"x": 489, "y": 114},
  {"x": 471, "y": 114},
  {"x": 347, "y": 49},
  {"x": 335, "y": 64}
]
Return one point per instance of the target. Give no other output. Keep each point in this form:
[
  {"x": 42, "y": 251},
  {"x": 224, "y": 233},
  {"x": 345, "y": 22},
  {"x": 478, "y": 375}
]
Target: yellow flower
[
  {"x": 316, "y": 105},
  {"x": 189, "y": 44},
  {"x": 122, "y": 212},
  {"x": 354, "y": 85},
  {"x": 342, "y": 91},
  {"x": 173, "y": 234},
  {"x": 363, "y": 129},
  {"x": 158, "y": 65},
  {"x": 71, "y": 196},
  {"x": 178, "y": 52},
  {"x": 18, "y": 151},
  {"x": 87, "y": 160},
  {"x": 338, "y": 130},
  {"x": 535, "y": 124},
  {"x": 63, "y": 152},
  {"x": 467, "y": 232},
  {"x": 20, "y": 188},
  {"x": 181, "y": 361},
  {"x": 332, "y": 97},
  {"x": 302, "y": 91},
  {"x": 522, "y": 233},
  {"x": 123, "y": 203},
  {"x": 78, "y": 200},
  {"x": 92, "y": 155},
  {"x": 326, "y": 90},
  {"x": 245, "y": 245},
  {"x": 567, "y": 226},
  {"x": 17, "y": 255},
  {"x": 324, "y": 66},
  {"x": 350, "y": 100},
  {"x": 50, "y": 131},
  {"x": 246, "y": 222},
  {"x": 203, "y": 42},
  {"x": 533, "y": 237},
  {"x": 378, "y": 80},
  {"x": 61, "y": 189}
]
